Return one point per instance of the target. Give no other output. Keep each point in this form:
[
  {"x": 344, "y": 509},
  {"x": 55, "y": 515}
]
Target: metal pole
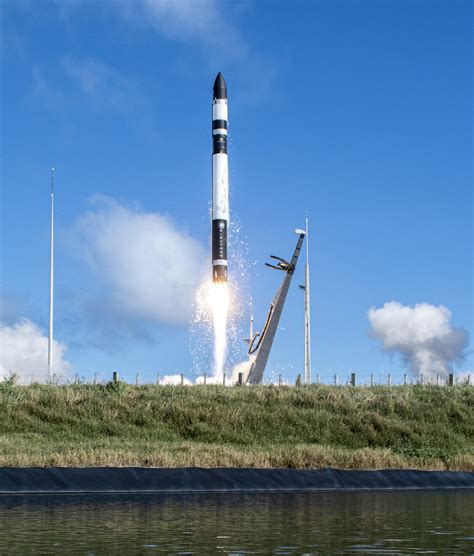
[
  {"x": 318, "y": 379},
  {"x": 115, "y": 377},
  {"x": 205, "y": 378},
  {"x": 421, "y": 379},
  {"x": 335, "y": 380},
  {"x": 251, "y": 321},
  {"x": 223, "y": 379},
  {"x": 51, "y": 283},
  {"x": 353, "y": 379},
  {"x": 279, "y": 379},
  {"x": 158, "y": 378},
  {"x": 307, "y": 315},
  {"x": 182, "y": 379},
  {"x": 371, "y": 379},
  {"x": 389, "y": 379},
  {"x": 404, "y": 379}
]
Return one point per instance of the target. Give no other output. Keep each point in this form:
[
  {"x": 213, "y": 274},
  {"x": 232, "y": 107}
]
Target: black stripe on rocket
[{"x": 219, "y": 143}]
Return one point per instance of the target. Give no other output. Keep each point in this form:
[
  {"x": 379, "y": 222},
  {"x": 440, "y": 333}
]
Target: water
[{"x": 234, "y": 524}]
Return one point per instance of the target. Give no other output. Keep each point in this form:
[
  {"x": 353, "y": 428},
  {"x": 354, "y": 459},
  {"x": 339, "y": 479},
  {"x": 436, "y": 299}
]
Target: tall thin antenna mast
[
  {"x": 51, "y": 283},
  {"x": 251, "y": 320},
  {"x": 307, "y": 315}
]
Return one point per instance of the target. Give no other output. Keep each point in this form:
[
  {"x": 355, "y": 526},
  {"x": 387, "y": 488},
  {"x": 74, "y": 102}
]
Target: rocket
[{"x": 220, "y": 181}]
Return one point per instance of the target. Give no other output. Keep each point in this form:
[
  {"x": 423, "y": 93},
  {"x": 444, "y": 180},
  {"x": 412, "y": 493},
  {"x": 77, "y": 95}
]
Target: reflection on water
[{"x": 309, "y": 523}]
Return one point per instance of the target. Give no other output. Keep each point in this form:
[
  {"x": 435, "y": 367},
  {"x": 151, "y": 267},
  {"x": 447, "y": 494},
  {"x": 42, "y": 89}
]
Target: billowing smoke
[
  {"x": 149, "y": 267},
  {"x": 212, "y": 380},
  {"x": 242, "y": 367},
  {"x": 422, "y": 335},
  {"x": 173, "y": 380},
  {"x": 24, "y": 351}
]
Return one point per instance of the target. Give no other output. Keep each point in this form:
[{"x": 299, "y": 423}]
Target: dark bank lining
[{"x": 117, "y": 480}]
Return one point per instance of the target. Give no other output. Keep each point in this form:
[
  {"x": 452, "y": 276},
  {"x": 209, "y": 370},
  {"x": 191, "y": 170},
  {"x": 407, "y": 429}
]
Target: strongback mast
[{"x": 265, "y": 339}]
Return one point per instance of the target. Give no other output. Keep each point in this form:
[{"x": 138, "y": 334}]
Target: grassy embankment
[{"x": 210, "y": 426}]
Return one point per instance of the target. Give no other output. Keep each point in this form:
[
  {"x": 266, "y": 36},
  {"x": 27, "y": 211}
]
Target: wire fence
[{"x": 140, "y": 378}]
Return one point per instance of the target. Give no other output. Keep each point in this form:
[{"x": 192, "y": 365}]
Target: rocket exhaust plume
[
  {"x": 220, "y": 221},
  {"x": 220, "y": 308}
]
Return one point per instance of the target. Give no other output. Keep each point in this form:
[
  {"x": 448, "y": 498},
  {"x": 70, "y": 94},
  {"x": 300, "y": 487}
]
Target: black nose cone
[{"x": 220, "y": 88}]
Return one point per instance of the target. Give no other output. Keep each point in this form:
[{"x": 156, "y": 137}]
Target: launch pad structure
[{"x": 261, "y": 343}]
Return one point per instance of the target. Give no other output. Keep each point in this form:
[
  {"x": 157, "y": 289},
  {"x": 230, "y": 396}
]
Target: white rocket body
[{"x": 220, "y": 181}]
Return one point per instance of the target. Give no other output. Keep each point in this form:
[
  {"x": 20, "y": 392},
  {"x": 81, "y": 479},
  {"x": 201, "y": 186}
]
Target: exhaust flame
[
  {"x": 212, "y": 314},
  {"x": 219, "y": 302},
  {"x": 216, "y": 333}
]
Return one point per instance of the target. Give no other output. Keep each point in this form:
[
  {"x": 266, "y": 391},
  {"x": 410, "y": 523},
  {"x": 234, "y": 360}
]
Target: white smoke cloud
[
  {"x": 149, "y": 267},
  {"x": 24, "y": 351},
  {"x": 242, "y": 367},
  {"x": 173, "y": 380},
  {"x": 422, "y": 335}
]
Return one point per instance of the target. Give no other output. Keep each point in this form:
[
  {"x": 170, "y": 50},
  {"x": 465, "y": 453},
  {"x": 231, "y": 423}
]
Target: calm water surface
[{"x": 310, "y": 523}]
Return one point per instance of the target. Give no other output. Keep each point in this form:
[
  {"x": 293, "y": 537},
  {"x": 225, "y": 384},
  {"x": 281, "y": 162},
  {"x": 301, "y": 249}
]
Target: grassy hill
[{"x": 422, "y": 427}]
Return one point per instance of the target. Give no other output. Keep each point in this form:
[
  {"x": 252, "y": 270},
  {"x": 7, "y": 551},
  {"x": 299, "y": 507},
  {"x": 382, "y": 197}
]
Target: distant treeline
[{"x": 114, "y": 424}]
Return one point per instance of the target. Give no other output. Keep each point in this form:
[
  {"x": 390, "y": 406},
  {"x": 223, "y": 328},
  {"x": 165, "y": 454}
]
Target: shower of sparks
[{"x": 217, "y": 336}]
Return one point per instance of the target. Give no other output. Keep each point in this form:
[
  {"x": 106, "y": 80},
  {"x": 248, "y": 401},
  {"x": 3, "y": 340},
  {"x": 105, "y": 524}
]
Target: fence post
[
  {"x": 372, "y": 379},
  {"x": 279, "y": 379},
  {"x": 336, "y": 380},
  {"x": 318, "y": 379},
  {"x": 76, "y": 378},
  {"x": 95, "y": 379},
  {"x": 241, "y": 378},
  {"x": 115, "y": 377},
  {"x": 404, "y": 379},
  {"x": 205, "y": 379},
  {"x": 468, "y": 382},
  {"x": 450, "y": 379},
  {"x": 182, "y": 379},
  {"x": 223, "y": 379},
  {"x": 353, "y": 379},
  {"x": 137, "y": 379},
  {"x": 157, "y": 378},
  {"x": 437, "y": 379},
  {"x": 389, "y": 379}
]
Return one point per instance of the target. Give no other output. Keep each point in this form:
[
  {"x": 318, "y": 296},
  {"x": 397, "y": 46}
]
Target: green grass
[{"x": 422, "y": 427}]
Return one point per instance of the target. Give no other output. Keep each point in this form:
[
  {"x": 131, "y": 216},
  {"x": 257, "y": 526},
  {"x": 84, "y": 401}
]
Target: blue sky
[{"x": 357, "y": 112}]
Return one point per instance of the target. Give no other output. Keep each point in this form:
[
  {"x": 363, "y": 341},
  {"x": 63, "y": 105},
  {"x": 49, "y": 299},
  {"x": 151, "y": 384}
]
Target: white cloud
[
  {"x": 148, "y": 266},
  {"x": 92, "y": 75},
  {"x": 24, "y": 351},
  {"x": 103, "y": 85},
  {"x": 422, "y": 335},
  {"x": 208, "y": 21}
]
